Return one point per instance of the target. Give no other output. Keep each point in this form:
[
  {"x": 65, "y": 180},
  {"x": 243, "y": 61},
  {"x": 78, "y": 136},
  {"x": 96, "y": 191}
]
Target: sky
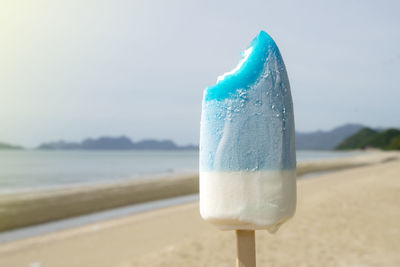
[{"x": 79, "y": 68}]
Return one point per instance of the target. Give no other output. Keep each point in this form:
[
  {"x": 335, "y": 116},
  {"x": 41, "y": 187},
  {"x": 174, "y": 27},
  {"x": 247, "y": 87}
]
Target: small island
[{"x": 4, "y": 146}]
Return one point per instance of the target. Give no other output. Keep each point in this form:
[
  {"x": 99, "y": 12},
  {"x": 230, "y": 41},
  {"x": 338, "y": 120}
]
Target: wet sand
[{"x": 345, "y": 218}]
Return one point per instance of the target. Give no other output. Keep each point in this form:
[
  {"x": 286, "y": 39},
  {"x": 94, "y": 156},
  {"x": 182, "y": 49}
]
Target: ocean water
[{"x": 22, "y": 171}]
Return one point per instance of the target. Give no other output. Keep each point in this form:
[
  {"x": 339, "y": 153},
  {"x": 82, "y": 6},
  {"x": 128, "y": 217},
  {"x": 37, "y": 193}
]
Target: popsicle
[{"x": 247, "y": 143}]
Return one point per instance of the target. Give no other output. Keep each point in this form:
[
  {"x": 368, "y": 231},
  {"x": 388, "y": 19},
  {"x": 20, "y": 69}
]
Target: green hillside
[
  {"x": 8, "y": 146},
  {"x": 395, "y": 143},
  {"x": 358, "y": 140},
  {"x": 368, "y": 138}
]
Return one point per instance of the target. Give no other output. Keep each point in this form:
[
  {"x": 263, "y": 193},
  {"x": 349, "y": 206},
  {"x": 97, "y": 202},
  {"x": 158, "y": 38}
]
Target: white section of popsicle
[{"x": 248, "y": 200}]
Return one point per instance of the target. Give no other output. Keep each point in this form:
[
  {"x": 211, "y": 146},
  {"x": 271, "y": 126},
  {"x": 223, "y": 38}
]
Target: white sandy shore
[
  {"x": 19, "y": 210},
  {"x": 345, "y": 218}
]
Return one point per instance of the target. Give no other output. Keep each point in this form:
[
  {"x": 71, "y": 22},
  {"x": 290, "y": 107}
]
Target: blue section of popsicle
[{"x": 247, "y": 119}]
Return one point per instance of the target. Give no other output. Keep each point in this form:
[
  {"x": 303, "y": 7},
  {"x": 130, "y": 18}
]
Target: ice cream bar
[{"x": 247, "y": 143}]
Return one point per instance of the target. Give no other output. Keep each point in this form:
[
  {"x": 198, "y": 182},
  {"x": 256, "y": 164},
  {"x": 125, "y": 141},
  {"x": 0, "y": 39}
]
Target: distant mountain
[
  {"x": 368, "y": 138},
  {"x": 318, "y": 140},
  {"x": 106, "y": 143},
  {"x": 115, "y": 143},
  {"x": 59, "y": 145},
  {"x": 4, "y": 146},
  {"x": 325, "y": 140},
  {"x": 154, "y": 144}
]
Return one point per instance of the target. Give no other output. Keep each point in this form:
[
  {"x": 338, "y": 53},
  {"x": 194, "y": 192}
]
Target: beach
[
  {"x": 349, "y": 217},
  {"x": 31, "y": 208}
]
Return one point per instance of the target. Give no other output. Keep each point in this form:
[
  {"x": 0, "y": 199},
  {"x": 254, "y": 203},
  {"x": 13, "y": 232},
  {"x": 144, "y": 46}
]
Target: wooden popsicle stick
[{"x": 245, "y": 248}]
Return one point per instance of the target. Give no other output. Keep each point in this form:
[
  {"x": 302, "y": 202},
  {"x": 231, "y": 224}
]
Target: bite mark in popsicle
[{"x": 247, "y": 143}]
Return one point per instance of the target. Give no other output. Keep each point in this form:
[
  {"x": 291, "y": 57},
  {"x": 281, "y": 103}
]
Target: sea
[{"x": 29, "y": 170}]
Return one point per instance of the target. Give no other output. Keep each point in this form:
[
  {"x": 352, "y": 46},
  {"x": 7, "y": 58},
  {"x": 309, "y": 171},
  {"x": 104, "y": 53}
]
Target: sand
[
  {"x": 346, "y": 218},
  {"x": 19, "y": 210}
]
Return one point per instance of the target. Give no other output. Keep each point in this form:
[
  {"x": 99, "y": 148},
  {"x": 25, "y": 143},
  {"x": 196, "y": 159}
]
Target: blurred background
[
  {"x": 106, "y": 93},
  {"x": 77, "y": 69}
]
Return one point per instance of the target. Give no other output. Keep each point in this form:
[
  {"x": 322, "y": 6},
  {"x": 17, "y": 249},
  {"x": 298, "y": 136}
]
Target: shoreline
[
  {"x": 26, "y": 209},
  {"x": 344, "y": 218},
  {"x": 97, "y": 217}
]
